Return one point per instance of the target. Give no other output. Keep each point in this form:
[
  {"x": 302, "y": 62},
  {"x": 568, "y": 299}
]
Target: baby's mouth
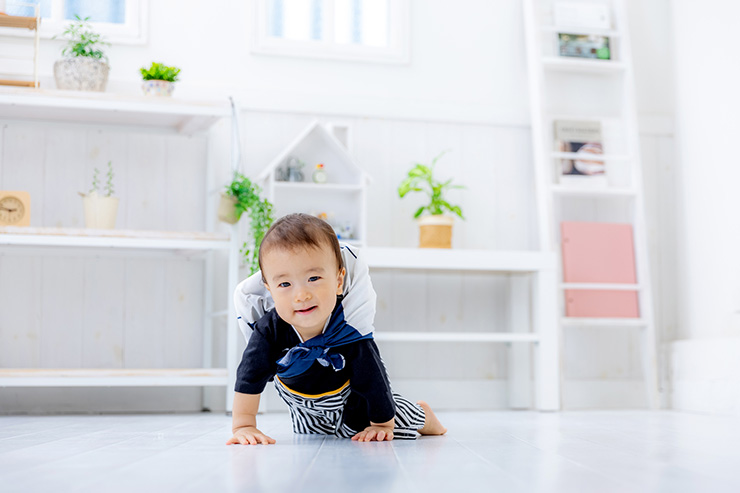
[{"x": 306, "y": 310}]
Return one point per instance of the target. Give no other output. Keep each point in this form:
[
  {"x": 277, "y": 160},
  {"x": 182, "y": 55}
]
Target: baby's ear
[{"x": 340, "y": 281}]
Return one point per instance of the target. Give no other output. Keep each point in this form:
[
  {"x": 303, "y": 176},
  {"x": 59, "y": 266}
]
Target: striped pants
[{"x": 322, "y": 415}]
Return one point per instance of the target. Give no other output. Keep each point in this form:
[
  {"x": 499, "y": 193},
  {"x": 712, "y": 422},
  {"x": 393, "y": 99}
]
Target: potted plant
[
  {"x": 159, "y": 79},
  {"x": 435, "y": 228},
  {"x": 99, "y": 204},
  {"x": 85, "y": 65},
  {"x": 242, "y": 196}
]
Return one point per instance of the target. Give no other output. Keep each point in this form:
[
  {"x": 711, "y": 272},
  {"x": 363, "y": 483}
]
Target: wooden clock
[{"x": 15, "y": 208}]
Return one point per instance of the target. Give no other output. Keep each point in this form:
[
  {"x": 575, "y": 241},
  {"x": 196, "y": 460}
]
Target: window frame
[
  {"x": 134, "y": 31},
  {"x": 397, "y": 51}
]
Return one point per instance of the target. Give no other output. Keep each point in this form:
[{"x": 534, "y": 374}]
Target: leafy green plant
[
  {"x": 420, "y": 178},
  {"x": 159, "y": 71},
  {"x": 107, "y": 190},
  {"x": 83, "y": 41},
  {"x": 248, "y": 199}
]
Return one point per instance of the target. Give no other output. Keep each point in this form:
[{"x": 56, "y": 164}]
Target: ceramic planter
[
  {"x": 435, "y": 231},
  {"x": 158, "y": 88},
  {"x": 81, "y": 74},
  {"x": 100, "y": 212},
  {"x": 227, "y": 209}
]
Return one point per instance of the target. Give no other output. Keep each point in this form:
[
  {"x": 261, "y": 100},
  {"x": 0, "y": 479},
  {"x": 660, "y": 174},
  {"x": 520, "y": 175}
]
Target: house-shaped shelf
[{"x": 341, "y": 199}]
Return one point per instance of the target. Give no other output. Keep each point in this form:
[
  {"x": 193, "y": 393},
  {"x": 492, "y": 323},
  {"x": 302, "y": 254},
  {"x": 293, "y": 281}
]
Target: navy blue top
[{"x": 370, "y": 397}]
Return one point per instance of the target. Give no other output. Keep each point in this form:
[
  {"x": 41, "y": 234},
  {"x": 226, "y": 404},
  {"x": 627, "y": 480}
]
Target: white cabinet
[{"x": 180, "y": 246}]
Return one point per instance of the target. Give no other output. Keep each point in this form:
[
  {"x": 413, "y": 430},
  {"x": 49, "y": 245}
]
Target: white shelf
[
  {"x": 583, "y": 65},
  {"x": 602, "y": 322},
  {"x": 456, "y": 337},
  {"x": 600, "y": 286},
  {"x": 457, "y": 259},
  {"x": 317, "y": 187},
  {"x": 113, "y": 238},
  {"x": 111, "y": 109},
  {"x": 611, "y": 33},
  {"x": 194, "y": 377},
  {"x": 591, "y": 157},
  {"x": 592, "y": 192}
]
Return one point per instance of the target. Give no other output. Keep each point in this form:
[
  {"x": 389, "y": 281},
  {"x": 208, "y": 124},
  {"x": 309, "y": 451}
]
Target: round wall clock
[{"x": 15, "y": 208}]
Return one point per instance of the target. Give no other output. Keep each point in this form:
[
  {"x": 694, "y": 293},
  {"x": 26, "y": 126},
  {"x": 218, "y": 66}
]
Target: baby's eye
[
  {"x": 313, "y": 278},
  {"x": 284, "y": 284}
]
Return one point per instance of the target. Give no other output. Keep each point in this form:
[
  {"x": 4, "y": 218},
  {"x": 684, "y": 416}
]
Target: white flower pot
[
  {"x": 81, "y": 74},
  {"x": 158, "y": 88},
  {"x": 435, "y": 231},
  {"x": 100, "y": 212}
]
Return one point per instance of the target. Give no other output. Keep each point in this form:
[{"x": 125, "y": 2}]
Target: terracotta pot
[
  {"x": 81, "y": 73},
  {"x": 100, "y": 212},
  {"x": 158, "y": 88},
  {"x": 435, "y": 231},
  {"x": 227, "y": 209}
]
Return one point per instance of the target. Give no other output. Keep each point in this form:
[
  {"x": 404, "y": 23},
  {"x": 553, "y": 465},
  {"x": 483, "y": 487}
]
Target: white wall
[
  {"x": 709, "y": 234},
  {"x": 465, "y": 89}
]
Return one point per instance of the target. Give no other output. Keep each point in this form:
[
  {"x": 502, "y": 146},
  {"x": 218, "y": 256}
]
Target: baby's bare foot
[{"x": 432, "y": 426}]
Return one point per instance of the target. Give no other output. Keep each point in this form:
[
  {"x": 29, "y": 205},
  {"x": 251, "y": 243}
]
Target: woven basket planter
[{"x": 435, "y": 231}]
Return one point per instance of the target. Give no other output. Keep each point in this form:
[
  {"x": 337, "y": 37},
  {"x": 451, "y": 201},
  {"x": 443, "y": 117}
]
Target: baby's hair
[{"x": 300, "y": 231}]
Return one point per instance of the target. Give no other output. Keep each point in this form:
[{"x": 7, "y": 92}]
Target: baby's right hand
[{"x": 249, "y": 435}]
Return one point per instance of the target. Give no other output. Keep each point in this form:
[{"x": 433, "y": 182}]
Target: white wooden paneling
[
  {"x": 134, "y": 308},
  {"x": 60, "y": 338}
]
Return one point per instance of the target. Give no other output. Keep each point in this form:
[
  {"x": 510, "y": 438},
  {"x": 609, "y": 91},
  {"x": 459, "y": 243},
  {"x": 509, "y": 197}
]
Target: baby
[{"x": 329, "y": 373}]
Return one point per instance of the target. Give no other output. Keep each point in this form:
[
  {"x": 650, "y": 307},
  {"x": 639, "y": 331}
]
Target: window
[
  {"x": 369, "y": 30},
  {"x": 119, "y": 21}
]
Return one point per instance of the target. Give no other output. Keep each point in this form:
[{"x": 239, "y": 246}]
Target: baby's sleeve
[
  {"x": 258, "y": 363},
  {"x": 369, "y": 379},
  {"x": 251, "y": 301}
]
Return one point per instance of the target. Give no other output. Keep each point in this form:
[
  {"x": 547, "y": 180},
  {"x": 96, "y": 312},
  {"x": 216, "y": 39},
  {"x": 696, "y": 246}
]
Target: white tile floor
[{"x": 600, "y": 452}]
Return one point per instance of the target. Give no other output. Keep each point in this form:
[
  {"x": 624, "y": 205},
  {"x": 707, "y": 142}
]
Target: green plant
[
  {"x": 420, "y": 178},
  {"x": 108, "y": 189},
  {"x": 159, "y": 71},
  {"x": 248, "y": 199},
  {"x": 83, "y": 41}
]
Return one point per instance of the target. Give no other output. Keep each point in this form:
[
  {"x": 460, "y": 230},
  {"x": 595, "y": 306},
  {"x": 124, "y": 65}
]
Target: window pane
[
  {"x": 362, "y": 22},
  {"x": 16, "y": 7},
  {"x": 112, "y": 11},
  {"x": 300, "y": 20}
]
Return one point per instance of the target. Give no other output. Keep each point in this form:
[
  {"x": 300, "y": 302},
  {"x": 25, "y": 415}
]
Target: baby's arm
[{"x": 244, "y": 421}]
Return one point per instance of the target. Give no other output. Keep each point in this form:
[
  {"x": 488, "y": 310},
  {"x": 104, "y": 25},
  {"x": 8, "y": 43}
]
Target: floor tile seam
[
  {"x": 95, "y": 449},
  {"x": 617, "y": 481},
  {"x": 85, "y": 486},
  {"x": 302, "y": 479},
  {"x": 404, "y": 472}
]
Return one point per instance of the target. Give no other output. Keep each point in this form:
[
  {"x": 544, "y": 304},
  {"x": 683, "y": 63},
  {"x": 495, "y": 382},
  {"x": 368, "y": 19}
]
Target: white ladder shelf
[{"x": 549, "y": 76}]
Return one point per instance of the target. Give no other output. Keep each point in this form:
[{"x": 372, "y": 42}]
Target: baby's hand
[
  {"x": 249, "y": 435},
  {"x": 374, "y": 432}
]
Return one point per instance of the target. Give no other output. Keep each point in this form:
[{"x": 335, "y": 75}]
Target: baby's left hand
[{"x": 374, "y": 432}]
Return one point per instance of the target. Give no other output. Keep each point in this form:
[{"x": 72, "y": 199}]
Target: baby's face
[{"x": 304, "y": 284}]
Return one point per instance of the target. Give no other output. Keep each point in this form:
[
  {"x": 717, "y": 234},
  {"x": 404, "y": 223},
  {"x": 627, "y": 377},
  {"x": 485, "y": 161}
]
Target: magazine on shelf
[
  {"x": 593, "y": 46},
  {"x": 582, "y": 138},
  {"x": 572, "y": 14}
]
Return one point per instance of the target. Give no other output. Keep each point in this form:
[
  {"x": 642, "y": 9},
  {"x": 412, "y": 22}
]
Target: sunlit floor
[{"x": 595, "y": 451}]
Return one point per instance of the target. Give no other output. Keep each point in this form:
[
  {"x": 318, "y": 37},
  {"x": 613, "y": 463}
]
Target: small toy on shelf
[
  {"x": 291, "y": 171},
  {"x": 319, "y": 174}
]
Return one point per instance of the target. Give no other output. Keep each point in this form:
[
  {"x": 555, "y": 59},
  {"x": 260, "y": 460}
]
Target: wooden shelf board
[
  {"x": 32, "y": 377},
  {"x": 183, "y": 116},
  {"x": 593, "y": 192},
  {"x": 113, "y": 238},
  {"x": 585, "y": 65},
  {"x": 17, "y": 83},
  {"x": 602, "y": 322},
  {"x": 18, "y": 21},
  {"x": 600, "y": 286},
  {"x": 458, "y": 259},
  {"x": 456, "y": 336},
  {"x": 313, "y": 187}
]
